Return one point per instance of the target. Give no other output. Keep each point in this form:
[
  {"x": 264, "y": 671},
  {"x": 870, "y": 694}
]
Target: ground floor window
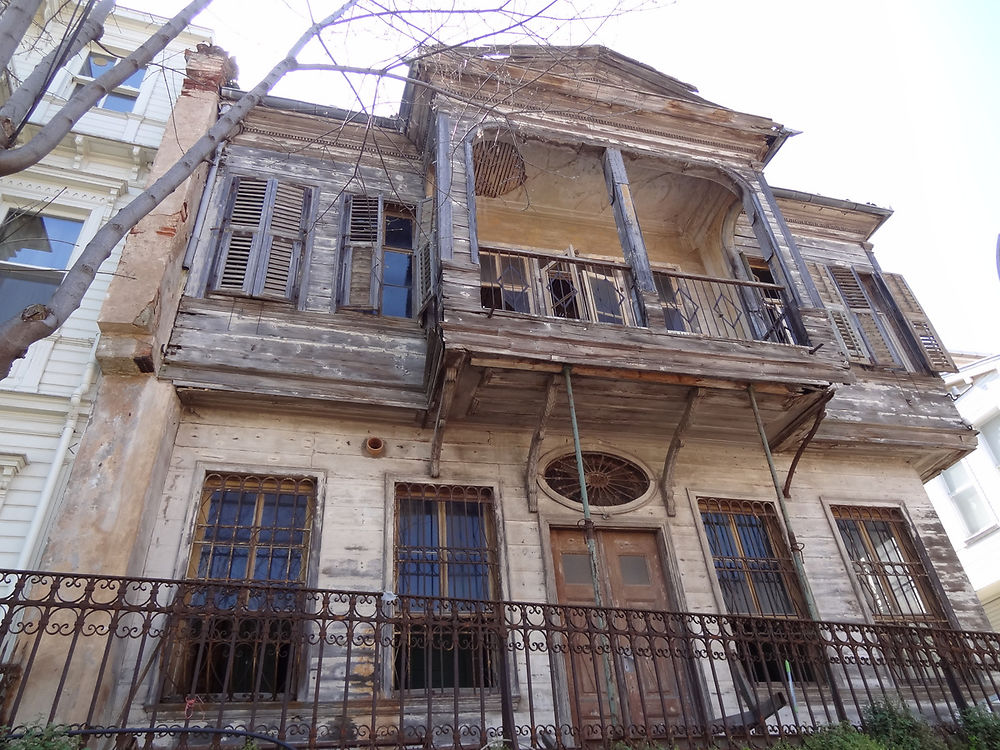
[
  {"x": 447, "y": 576},
  {"x": 894, "y": 581},
  {"x": 236, "y": 638}
]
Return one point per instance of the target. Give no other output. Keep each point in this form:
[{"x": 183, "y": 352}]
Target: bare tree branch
[
  {"x": 17, "y": 334},
  {"x": 14, "y": 24},
  {"x": 17, "y": 108},
  {"x": 83, "y": 100}
]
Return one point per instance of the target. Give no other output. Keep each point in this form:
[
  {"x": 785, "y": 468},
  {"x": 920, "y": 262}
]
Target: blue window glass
[
  {"x": 38, "y": 240},
  {"x": 397, "y": 284},
  {"x": 97, "y": 65}
]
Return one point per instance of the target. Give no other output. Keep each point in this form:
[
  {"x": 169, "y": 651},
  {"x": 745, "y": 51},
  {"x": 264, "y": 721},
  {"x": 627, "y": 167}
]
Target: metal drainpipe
[
  {"x": 48, "y": 490},
  {"x": 588, "y": 530},
  {"x": 800, "y": 571}
]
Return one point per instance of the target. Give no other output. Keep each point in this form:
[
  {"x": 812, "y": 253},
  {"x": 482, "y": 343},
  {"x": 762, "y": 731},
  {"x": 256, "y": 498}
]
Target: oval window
[{"x": 611, "y": 480}]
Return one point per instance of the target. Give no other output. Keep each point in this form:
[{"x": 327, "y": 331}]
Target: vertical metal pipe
[
  {"x": 800, "y": 571},
  {"x": 588, "y": 529}
]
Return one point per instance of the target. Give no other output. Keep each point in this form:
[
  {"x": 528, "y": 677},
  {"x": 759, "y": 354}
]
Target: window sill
[{"x": 981, "y": 534}]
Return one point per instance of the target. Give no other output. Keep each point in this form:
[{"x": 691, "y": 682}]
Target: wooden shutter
[
  {"x": 277, "y": 273},
  {"x": 865, "y": 314},
  {"x": 361, "y": 253},
  {"x": 425, "y": 275},
  {"x": 850, "y": 338},
  {"x": 923, "y": 332},
  {"x": 263, "y": 238},
  {"x": 241, "y": 235}
]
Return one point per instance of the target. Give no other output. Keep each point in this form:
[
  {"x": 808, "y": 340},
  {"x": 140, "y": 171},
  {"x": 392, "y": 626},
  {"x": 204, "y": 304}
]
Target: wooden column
[
  {"x": 442, "y": 190},
  {"x": 633, "y": 246}
]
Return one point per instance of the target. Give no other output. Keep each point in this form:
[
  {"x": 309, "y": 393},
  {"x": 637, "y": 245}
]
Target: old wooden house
[{"x": 533, "y": 416}]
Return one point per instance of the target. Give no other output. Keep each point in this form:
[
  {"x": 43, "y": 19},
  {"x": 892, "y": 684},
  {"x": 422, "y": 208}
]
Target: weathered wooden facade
[{"x": 398, "y": 346}]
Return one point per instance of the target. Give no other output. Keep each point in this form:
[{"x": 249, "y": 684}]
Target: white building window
[
  {"x": 124, "y": 96},
  {"x": 35, "y": 250},
  {"x": 968, "y": 499},
  {"x": 989, "y": 433}
]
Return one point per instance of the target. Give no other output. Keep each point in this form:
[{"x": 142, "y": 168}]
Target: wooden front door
[{"x": 622, "y": 672}]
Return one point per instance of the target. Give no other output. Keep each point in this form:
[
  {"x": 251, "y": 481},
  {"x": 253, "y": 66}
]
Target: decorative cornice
[
  {"x": 381, "y": 150},
  {"x": 10, "y": 465}
]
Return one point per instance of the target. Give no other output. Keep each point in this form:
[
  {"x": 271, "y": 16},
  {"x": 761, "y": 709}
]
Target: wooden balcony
[{"x": 322, "y": 668}]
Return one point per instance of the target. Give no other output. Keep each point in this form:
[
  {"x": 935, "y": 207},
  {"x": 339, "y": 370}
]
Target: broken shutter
[
  {"x": 361, "y": 253},
  {"x": 916, "y": 320},
  {"x": 850, "y": 338},
  {"x": 263, "y": 238},
  {"x": 865, "y": 313}
]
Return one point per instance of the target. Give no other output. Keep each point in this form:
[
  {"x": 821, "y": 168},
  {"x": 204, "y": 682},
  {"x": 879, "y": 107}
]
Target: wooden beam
[
  {"x": 484, "y": 380},
  {"x": 442, "y": 191},
  {"x": 470, "y": 197},
  {"x": 530, "y": 485},
  {"x": 647, "y": 376},
  {"x": 676, "y": 443},
  {"x": 451, "y": 375}
]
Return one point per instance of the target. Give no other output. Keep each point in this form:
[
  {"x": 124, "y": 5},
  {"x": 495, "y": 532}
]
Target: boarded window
[
  {"x": 263, "y": 238},
  {"x": 377, "y": 262},
  {"x": 896, "y": 585}
]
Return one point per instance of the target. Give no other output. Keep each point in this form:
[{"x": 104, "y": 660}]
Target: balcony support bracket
[
  {"x": 676, "y": 443},
  {"x": 531, "y": 472},
  {"x": 451, "y": 375},
  {"x": 820, "y": 413}
]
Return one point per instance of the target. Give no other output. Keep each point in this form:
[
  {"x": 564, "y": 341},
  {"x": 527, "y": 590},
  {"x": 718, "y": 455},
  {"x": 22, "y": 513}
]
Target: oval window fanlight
[{"x": 611, "y": 480}]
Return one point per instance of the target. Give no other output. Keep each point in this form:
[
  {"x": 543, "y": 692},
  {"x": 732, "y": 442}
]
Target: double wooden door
[{"x": 622, "y": 666}]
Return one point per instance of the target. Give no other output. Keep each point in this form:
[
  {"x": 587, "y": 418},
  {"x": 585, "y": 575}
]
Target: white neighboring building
[
  {"x": 47, "y": 214},
  {"x": 967, "y": 496}
]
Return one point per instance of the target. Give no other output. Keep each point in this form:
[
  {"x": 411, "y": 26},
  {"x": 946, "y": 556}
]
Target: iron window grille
[
  {"x": 445, "y": 557},
  {"x": 238, "y": 638}
]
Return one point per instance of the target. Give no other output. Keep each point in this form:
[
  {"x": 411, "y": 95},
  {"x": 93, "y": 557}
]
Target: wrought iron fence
[
  {"x": 322, "y": 668},
  {"x": 599, "y": 292}
]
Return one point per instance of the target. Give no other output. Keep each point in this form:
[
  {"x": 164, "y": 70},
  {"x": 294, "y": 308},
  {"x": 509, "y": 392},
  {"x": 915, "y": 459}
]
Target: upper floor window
[
  {"x": 263, "y": 238},
  {"x": 893, "y": 579},
  {"x": 878, "y": 319},
  {"x": 124, "y": 96},
  {"x": 973, "y": 508},
  {"x": 377, "y": 257},
  {"x": 35, "y": 250}
]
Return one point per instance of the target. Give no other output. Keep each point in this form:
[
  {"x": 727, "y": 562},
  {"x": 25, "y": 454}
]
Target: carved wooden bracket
[
  {"x": 530, "y": 473},
  {"x": 676, "y": 443},
  {"x": 451, "y": 375}
]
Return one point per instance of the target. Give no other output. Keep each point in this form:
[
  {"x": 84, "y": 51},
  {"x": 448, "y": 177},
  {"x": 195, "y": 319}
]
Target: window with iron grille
[
  {"x": 756, "y": 574},
  {"x": 263, "y": 239},
  {"x": 447, "y": 573},
  {"x": 251, "y": 549},
  {"x": 896, "y": 585}
]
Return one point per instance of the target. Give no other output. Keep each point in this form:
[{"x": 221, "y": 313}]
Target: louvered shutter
[
  {"x": 857, "y": 301},
  {"x": 278, "y": 271},
  {"x": 923, "y": 332},
  {"x": 361, "y": 253},
  {"x": 850, "y": 337},
  {"x": 263, "y": 238},
  {"x": 241, "y": 237},
  {"x": 425, "y": 266}
]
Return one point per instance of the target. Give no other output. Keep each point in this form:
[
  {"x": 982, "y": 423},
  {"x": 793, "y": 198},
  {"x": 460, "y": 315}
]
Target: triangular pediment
[{"x": 565, "y": 68}]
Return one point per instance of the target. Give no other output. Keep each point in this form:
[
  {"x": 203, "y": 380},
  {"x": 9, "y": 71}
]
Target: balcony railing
[
  {"x": 601, "y": 292},
  {"x": 316, "y": 668}
]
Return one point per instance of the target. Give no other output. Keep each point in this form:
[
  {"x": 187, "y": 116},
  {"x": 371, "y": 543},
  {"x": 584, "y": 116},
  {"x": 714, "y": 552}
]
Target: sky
[{"x": 898, "y": 102}]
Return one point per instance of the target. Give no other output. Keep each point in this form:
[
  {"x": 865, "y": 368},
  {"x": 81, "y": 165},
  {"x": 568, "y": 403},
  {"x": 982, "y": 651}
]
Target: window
[
  {"x": 124, "y": 96},
  {"x": 559, "y": 287},
  {"x": 972, "y": 507},
  {"x": 755, "y": 570},
  {"x": 874, "y": 328},
  {"x": 251, "y": 547},
  {"x": 377, "y": 257},
  {"x": 894, "y": 581},
  {"x": 263, "y": 238},
  {"x": 989, "y": 431},
  {"x": 757, "y": 577},
  {"x": 445, "y": 547},
  {"x": 35, "y": 249}
]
